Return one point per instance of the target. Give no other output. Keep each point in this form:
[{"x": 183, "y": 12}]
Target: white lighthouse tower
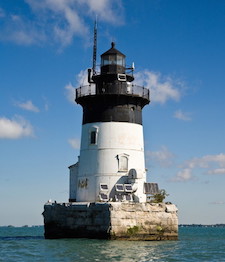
[
  {"x": 108, "y": 187},
  {"x": 111, "y": 164}
]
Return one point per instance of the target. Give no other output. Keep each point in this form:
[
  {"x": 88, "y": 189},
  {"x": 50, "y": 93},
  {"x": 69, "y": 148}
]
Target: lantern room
[{"x": 113, "y": 61}]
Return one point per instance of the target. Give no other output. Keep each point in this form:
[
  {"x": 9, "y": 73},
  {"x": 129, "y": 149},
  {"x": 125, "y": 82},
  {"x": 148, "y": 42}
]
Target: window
[
  {"x": 113, "y": 59},
  {"x": 128, "y": 188},
  {"x": 93, "y": 137},
  {"x": 93, "y": 134},
  {"x": 103, "y": 197},
  {"x": 120, "y": 60},
  {"x": 109, "y": 60},
  {"x": 119, "y": 187},
  {"x": 121, "y": 77},
  {"x": 104, "y": 187},
  {"x": 123, "y": 162}
]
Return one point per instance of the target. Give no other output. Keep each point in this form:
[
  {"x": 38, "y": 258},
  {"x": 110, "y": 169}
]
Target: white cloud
[
  {"x": 70, "y": 92},
  {"x": 81, "y": 80},
  {"x": 179, "y": 114},
  {"x": 163, "y": 157},
  {"x": 211, "y": 164},
  {"x": 206, "y": 161},
  {"x": 28, "y": 105},
  {"x": 183, "y": 175},
  {"x": 20, "y": 31},
  {"x": 161, "y": 88},
  {"x": 106, "y": 10},
  {"x": 216, "y": 171},
  {"x": 57, "y": 21},
  {"x": 75, "y": 143},
  {"x": 15, "y": 128}
]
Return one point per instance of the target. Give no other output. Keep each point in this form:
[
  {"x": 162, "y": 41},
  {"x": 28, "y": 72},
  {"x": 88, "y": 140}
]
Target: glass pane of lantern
[
  {"x": 112, "y": 59},
  {"x": 120, "y": 60}
]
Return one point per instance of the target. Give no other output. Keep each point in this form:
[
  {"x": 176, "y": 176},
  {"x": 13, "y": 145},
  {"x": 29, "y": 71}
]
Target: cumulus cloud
[
  {"x": 216, "y": 171},
  {"x": 81, "y": 80},
  {"x": 183, "y": 175},
  {"x": 161, "y": 88},
  {"x": 19, "y": 30},
  {"x": 28, "y": 105},
  {"x": 15, "y": 128},
  {"x": 57, "y": 21},
  {"x": 163, "y": 157},
  {"x": 70, "y": 92},
  {"x": 211, "y": 164},
  {"x": 75, "y": 143},
  {"x": 179, "y": 114},
  {"x": 206, "y": 161},
  {"x": 106, "y": 10}
]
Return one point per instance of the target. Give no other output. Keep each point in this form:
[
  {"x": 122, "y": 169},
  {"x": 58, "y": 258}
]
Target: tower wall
[
  {"x": 105, "y": 160},
  {"x": 73, "y": 181}
]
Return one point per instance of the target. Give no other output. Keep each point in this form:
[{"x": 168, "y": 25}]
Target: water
[{"x": 194, "y": 244}]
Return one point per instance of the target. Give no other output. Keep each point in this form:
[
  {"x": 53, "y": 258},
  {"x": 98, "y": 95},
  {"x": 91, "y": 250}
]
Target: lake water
[{"x": 194, "y": 244}]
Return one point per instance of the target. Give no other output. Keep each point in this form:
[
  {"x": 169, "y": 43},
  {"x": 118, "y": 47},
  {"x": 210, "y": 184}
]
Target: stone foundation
[{"x": 111, "y": 220}]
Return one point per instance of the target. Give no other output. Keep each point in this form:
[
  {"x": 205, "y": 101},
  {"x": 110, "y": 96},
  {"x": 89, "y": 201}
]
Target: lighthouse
[
  {"x": 111, "y": 164},
  {"x": 108, "y": 191}
]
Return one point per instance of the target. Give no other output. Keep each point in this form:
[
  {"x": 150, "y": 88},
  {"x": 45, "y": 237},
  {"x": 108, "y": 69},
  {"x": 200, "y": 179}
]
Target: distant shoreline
[
  {"x": 180, "y": 225},
  {"x": 200, "y": 225}
]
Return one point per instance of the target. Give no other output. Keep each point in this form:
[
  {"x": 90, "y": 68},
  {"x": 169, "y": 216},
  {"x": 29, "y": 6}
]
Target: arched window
[{"x": 123, "y": 162}]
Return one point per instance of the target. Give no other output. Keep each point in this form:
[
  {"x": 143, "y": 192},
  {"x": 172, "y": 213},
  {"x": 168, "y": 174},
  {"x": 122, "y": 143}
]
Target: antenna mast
[{"x": 94, "y": 48}]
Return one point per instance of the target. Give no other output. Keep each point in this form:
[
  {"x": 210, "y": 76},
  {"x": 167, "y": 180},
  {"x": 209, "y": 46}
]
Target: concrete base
[{"x": 111, "y": 220}]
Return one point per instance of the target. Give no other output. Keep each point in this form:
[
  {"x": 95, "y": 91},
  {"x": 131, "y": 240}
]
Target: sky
[{"x": 178, "y": 51}]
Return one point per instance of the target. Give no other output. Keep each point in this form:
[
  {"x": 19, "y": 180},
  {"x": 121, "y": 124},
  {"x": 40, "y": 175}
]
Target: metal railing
[{"x": 110, "y": 89}]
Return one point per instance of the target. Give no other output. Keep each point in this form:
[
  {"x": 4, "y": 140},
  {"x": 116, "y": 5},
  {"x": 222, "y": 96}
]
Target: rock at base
[{"x": 111, "y": 220}]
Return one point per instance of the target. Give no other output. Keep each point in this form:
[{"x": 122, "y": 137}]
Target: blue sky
[{"x": 178, "y": 50}]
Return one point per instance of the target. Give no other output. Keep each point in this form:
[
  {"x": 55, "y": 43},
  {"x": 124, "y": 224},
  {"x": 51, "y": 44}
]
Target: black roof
[{"x": 113, "y": 51}]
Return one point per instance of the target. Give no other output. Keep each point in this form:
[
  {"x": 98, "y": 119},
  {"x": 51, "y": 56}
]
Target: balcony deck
[{"x": 114, "y": 89}]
